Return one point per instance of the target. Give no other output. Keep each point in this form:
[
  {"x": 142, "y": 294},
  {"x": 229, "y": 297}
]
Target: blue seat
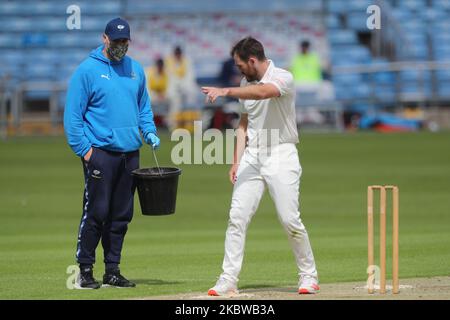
[
  {"x": 50, "y": 24},
  {"x": 10, "y": 8},
  {"x": 415, "y": 52},
  {"x": 64, "y": 72},
  {"x": 444, "y": 89},
  {"x": 416, "y": 5},
  {"x": 332, "y": 22},
  {"x": 42, "y": 8},
  {"x": 362, "y": 91},
  {"x": 13, "y": 71},
  {"x": 12, "y": 57},
  {"x": 9, "y": 40},
  {"x": 415, "y": 91},
  {"x": 347, "y": 79},
  {"x": 353, "y": 92},
  {"x": 357, "y": 21},
  {"x": 92, "y": 23},
  {"x": 75, "y": 39},
  {"x": 44, "y": 56},
  {"x": 415, "y": 37},
  {"x": 442, "y": 53},
  {"x": 344, "y": 92},
  {"x": 341, "y": 37},
  {"x": 106, "y": 7},
  {"x": 337, "y": 6},
  {"x": 383, "y": 78},
  {"x": 384, "y": 93},
  {"x": 441, "y": 5},
  {"x": 17, "y": 24},
  {"x": 443, "y": 75},
  {"x": 358, "y": 5},
  {"x": 415, "y": 76},
  {"x": 432, "y": 14},
  {"x": 362, "y": 108},
  {"x": 414, "y": 27},
  {"x": 352, "y": 54},
  {"x": 34, "y": 39},
  {"x": 401, "y": 14},
  {"x": 441, "y": 26},
  {"x": 69, "y": 57},
  {"x": 40, "y": 71},
  {"x": 68, "y": 39},
  {"x": 441, "y": 39}
]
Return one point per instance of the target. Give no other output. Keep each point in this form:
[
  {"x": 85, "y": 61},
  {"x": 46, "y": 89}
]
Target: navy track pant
[{"x": 107, "y": 204}]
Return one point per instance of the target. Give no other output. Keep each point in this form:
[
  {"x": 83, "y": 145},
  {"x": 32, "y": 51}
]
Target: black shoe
[
  {"x": 115, "y": 279},
  {"x": 86, "y": 280}
]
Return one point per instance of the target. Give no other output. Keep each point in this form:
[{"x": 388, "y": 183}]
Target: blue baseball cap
[{"x": 118, "y": 29}]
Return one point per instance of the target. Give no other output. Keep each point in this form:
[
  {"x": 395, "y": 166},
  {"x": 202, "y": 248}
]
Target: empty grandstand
[{"x": 404, "y": 64}]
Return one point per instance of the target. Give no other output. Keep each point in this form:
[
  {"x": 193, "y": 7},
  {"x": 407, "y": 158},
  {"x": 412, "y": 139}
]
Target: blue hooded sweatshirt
[{"x": 106, "y": 105}]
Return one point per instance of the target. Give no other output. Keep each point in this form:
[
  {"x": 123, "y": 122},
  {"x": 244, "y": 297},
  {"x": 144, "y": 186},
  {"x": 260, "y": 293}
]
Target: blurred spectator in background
[
  {"x": 225, "y": 116},
  {"x": 157, "y": 82},
  {"x": 183, "y": 89},
  {"x": 307, "y": 71},
  {"x": 306, "y": 67},
  {"x": 230, "y": 75},
  {"x": 158, "y": 85}
]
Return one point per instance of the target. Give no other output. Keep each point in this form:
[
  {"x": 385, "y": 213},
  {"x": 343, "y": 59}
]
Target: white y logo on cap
[{"x": 120, "y": 27}]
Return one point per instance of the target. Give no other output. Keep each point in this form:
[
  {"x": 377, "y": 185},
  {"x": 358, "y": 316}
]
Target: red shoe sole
[
  {"x": 212, "y": 293},
  {"x": 305, "y": 291}
]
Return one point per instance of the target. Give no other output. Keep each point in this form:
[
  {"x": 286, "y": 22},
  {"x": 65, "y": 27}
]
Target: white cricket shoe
[
  {"x": 223, "y": 287},
  {"x": 308, "y": 285}
]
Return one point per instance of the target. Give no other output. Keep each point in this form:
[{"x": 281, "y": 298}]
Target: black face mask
[{"x": 117, "y": 50}]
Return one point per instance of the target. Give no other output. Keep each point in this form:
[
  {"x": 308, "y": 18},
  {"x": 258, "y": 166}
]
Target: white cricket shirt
[{"x": 272, "y": 121}]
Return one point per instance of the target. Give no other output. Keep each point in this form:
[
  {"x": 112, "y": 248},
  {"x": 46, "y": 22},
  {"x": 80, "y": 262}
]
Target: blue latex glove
[{"x": 154, "y": 141}]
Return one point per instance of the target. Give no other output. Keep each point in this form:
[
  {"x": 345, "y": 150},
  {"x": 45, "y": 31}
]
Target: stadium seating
[
  {"x": 422, "y": 35},
  {"x": 35, "y": 43}
]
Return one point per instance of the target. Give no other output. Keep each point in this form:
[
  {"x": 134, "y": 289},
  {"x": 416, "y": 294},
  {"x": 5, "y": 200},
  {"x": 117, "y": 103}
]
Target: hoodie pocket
[
  {"x": 127, "y": 138},
  {"x": 101, "y": 136}
]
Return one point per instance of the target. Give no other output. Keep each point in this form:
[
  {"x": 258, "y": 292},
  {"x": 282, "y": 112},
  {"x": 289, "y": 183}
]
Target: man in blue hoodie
[{"x": 106, "y": 109}]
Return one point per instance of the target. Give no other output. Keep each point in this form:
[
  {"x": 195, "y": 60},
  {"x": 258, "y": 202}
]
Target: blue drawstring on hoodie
[{"x": 107, "y": 105}]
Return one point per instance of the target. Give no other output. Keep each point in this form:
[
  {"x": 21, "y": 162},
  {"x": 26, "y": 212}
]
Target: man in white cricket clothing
[{"x": 267, "y": 97}]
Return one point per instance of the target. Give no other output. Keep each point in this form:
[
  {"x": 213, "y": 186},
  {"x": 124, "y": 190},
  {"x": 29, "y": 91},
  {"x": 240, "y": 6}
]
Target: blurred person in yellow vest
[
  {"x": 158, "y": 81},
  {"x": 182, "y": 90},
  {"x": 306, "y": 67}
]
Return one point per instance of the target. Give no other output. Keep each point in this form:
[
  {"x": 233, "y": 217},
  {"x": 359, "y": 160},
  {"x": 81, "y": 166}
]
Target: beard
[{"x": 251, "y": 77}]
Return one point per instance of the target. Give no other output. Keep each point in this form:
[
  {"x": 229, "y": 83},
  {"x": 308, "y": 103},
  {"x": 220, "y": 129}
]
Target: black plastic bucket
[{"x": 157, "y": 189}]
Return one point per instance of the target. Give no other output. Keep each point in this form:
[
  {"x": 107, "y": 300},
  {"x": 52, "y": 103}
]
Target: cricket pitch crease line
[
  {"x": 388, "y": 287},
  {"x": 229, "y": 296}
]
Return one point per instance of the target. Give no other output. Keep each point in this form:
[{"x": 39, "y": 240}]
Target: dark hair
[
  {"x": 248, "y": 47},
  {"x": 305, "y": 44},
  {"x": 178, "y": 50},
  {"x": 160, "y": 62}
]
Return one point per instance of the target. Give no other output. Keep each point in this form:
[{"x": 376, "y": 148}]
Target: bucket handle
[{"x": 156, "y": 160}]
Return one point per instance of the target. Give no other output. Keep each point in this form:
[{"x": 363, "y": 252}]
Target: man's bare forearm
[
  {"x": 241, "y": 134},
  {"x": 253, "y": 92}
]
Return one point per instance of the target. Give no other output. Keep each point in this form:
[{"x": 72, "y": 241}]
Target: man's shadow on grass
[
  {"x": 264, "y": 287},
  {"x": 155, "y": 282}
]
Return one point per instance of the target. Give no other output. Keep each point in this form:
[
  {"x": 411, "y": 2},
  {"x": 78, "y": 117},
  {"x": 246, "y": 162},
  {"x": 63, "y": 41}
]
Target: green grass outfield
[{"x": 40, "y": 207}]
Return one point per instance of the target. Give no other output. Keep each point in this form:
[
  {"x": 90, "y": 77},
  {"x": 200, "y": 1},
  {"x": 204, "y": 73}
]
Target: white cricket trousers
[{"x": 280, "y": 170}]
